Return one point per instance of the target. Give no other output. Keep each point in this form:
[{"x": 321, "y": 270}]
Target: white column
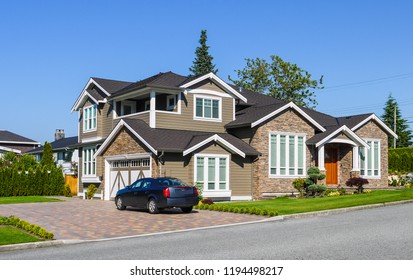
[
  {"x": 107, "y": 180},
  {"x": 152, "y": 113},
  {"x": 356, "y": 163},
  {"x": 321, "y": 158}
]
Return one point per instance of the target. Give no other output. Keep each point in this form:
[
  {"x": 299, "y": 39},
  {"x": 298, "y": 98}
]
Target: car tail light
[
  {"x": 195, "y": 191},
  {"x": 166, "y": 192}
]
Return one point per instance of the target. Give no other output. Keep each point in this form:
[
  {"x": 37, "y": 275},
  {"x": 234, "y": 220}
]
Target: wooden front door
[{"x": 330, "y": 164}]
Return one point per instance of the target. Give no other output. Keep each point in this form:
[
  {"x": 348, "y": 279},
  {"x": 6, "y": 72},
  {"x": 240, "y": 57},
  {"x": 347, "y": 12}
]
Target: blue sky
[{"x": 49, "y": 49}]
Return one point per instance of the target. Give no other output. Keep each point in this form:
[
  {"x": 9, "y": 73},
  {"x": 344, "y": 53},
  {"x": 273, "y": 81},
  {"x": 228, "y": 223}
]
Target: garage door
[{"x": 125, "y": 172}]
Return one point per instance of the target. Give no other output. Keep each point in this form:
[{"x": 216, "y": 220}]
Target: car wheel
[
  {"x": 186, "y": 209},
  {"x": 153, "y": 207},
  {"x": 119, "y": 203}
]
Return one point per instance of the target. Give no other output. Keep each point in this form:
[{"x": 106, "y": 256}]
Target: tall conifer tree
[
  {"x": 203, "y": 60},
  {"x": 402, "y": 128}
]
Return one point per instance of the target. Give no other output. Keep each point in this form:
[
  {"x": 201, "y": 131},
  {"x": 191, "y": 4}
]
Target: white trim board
[
  {"x": 285, "y": 107},
  {"x": 215, "y": 78},
  {"x": 218, "y": 139}
]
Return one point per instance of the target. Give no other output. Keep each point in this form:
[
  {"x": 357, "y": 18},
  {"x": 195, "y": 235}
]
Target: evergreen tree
[
  {"x": 402, "y": 129},
  {"x": 203, "y": 60},
  {"x": 280, "y": 79},
  {"x": 47, "y": 156}
]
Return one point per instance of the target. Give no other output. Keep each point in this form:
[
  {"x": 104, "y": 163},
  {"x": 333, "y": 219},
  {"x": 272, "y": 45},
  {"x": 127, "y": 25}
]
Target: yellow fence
[{"x": 72, "y": 182}]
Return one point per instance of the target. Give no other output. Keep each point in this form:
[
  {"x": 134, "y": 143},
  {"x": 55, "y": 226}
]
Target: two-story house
[{"x": 235, "y": 143}]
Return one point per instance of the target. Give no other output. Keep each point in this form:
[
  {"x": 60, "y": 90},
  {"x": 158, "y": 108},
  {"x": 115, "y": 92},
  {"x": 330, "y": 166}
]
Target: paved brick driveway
[{"x": 95, "y": 219}]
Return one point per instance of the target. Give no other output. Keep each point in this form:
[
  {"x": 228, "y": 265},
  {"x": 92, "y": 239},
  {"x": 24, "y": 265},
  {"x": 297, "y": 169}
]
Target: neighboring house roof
[
  {"x": 57, "y": 145},
  {"x": 13, "y": 138},
  {"x": 179, "y": 141}
]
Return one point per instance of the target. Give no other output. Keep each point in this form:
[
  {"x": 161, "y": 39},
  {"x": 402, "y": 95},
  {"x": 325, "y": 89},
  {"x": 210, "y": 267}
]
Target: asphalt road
[{"x": 372, "y": 234}]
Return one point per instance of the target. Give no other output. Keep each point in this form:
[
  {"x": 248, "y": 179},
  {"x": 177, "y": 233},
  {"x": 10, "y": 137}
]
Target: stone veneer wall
[
  {"x": 289, "y": 122},
  {"x": 373, "y": 131},
  {"x": 126, "y": 143}
]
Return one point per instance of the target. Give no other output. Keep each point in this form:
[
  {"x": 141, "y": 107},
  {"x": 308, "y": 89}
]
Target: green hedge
[
  {"x": 401, "y": 160},
  {"x": 36, "y": 230},
  {"x": 38, "y": 181}
]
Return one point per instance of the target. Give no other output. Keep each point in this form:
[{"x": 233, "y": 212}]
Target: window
[
  {"x": 287, "y": 155},
  {"x": 128, "y": 107},
  {"x": 89, "y": 118},
  {"x": 147, "y": 105},
  {"x": 212, "y": 172},
  {"x": 89, "y": 163},
  {"x": 170, "y": 102},
  {"x": 370, "y": 159},
  {"x": 207, "y": 108}
]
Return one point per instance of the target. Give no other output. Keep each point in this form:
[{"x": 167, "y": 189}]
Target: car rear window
[{"x": 171, "y": 182}]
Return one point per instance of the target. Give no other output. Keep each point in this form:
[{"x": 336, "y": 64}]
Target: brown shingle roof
[
  {"x": 10, "y": 137},
  {"x": 172, "y": 140}
]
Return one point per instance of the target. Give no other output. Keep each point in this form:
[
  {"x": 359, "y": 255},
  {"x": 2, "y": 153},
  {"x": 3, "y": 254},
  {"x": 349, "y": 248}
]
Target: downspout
[{"x": 160, "y": 163}]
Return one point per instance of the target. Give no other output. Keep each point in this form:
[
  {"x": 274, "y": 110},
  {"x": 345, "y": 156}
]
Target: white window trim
[
  {"x": 84, "y": 118},
  {"x": 218, "y": 192},
  {"x": 365, "y": 167},
  {"x": 127, "y": 103},
  {"x": 219, "y": 119},
  {"x": 93, "y": 159},
  {"x": 169, "y": 97},
  {"x": 278, "y": 175}
]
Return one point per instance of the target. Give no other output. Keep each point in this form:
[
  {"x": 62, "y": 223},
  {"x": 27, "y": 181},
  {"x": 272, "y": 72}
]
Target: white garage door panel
[{"x": 125, "y": 172}]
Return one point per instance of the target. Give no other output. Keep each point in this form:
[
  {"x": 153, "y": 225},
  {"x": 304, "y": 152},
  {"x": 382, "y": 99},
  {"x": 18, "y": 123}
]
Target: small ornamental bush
[
  {"x": 91, "y": 190},
  {"x": 334, "y": 193},
  {"x": 357, "y": 182},
  {"x": 207, "y": 201},
  {"x": 264, "y": 212},
  {"x": 66, "y": 191}
]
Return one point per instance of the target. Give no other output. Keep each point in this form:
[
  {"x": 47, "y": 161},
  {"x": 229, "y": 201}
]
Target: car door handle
[{"x": 147, "y": 192}]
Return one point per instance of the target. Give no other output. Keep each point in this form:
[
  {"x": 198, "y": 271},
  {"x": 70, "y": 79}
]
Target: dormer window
[
  {"x": 89, "y": 118},
  {"x": 207, "y": 108}
]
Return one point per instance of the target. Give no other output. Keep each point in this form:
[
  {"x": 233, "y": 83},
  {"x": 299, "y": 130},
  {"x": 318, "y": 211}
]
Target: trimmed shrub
[
  {"x": 207, "y": 201},
  {"x": 358, "y": 182},
  {"x": 91, "y": 190},
  {"x": 36, "y": 230}
]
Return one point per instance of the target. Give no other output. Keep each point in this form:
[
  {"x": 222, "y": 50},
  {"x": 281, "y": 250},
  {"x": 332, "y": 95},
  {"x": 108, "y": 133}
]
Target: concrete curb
[{"x": 32, "y": 245}]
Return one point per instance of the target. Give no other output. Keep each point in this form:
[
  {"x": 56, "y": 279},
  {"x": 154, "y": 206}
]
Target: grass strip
[
  {"x": 286, "y": 205},
  {"x": 12, "y": 235},
  {"x": 27, "y": 199}
]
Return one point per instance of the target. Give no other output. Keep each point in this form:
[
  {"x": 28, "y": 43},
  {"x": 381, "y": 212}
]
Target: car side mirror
[{"x": 128, "y": 187}]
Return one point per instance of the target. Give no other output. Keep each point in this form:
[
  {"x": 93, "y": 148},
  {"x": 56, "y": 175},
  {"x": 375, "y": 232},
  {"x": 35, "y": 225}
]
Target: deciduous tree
[{"x": 280, "y": 79}]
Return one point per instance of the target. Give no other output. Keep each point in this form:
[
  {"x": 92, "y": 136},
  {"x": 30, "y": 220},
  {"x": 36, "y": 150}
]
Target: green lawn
[
  {"x": 26, "y": 199},
  {"x": 285, "y": 205},
  {"x": 12, "y": 235}
]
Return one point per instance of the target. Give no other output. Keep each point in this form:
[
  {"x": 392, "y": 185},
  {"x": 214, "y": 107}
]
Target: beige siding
[
  {"x": 240, "y": 176},
  {"x": 185, "y": 120},
  {"x": 176, "y": 166},
  {"x": 240, "y": 170}
]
